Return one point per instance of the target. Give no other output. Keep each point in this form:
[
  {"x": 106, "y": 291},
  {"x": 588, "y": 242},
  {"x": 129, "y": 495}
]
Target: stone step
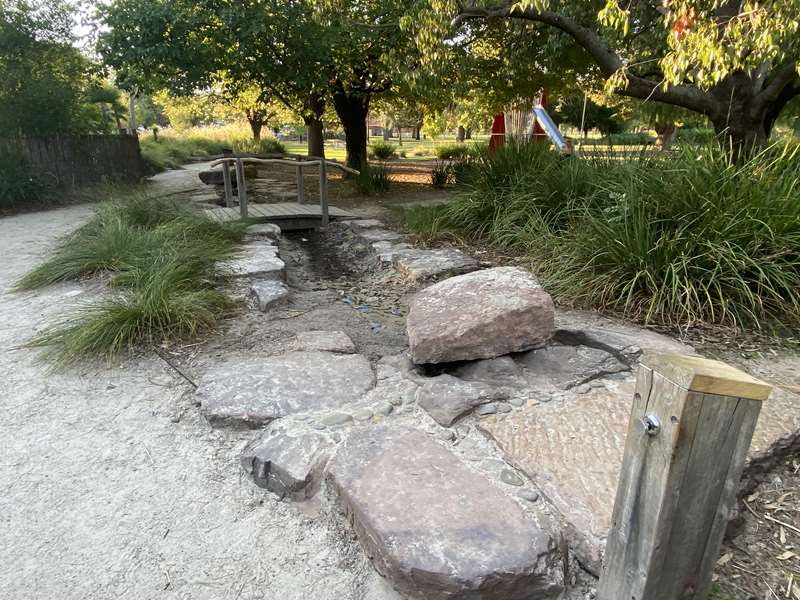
[
  {"x": 269, "y": 293},
  {"x": 420, "y": 264},
  {"x": 436, "y": 529},
  {"x": 252, "y": 391},
  {"x": 258, "y": 261}
]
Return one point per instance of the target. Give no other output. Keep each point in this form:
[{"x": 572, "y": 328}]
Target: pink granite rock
[{"x": 479, "y": 315}]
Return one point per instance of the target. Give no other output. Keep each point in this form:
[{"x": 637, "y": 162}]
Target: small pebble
[
  {"x": 318, "y": 426},
  {"x": 410, "y": 396},
  {"x": 446, "y": 435},
  {"x": 529, "y": 495},
  {"x": 583, "y": 389},
  {"x": 503, "y": 408},
  {"x": 336, "y": 419},
  {"x": 384, "y": 408},
  {"x": 517, "y": 401},
  {"x": 362, "y": 415},
  {"x": 508, "y": 476},
  {"x": 486, "y": 409}
]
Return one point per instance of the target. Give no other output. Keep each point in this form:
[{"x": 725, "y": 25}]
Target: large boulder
[
  {"x": 435, "y": 528},
  {"x": 479, "y": 315}
]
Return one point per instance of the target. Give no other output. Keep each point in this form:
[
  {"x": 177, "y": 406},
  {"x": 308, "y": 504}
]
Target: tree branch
[
  {"x": 783, "y": 78},
  {"x": 609, "y": 61}
]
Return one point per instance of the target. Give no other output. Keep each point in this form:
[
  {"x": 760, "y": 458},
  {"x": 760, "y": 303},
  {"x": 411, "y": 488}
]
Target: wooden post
[
  {"x": 300, "y": 182},
  {"x": 241, "y": 188},
  {"x": 226, "y": 180},
  {"x": 690, "y": 429},
  {"x": 323, "y": 191}
]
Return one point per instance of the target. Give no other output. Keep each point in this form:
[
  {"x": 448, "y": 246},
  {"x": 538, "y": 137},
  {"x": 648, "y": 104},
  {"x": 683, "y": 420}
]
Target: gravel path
[{"x": 113, "y": 486}]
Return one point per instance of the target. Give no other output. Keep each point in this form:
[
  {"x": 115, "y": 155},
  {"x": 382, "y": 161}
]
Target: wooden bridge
[{"x": 288, "y": 215}]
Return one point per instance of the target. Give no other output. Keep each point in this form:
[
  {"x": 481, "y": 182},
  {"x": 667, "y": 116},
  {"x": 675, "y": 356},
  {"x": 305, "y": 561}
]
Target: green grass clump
[
  {"x": 451, "y": 151},
  {"x": 630, "y": 138},
  {"x": 161, "y": 260},
  {"x": 382, "y": 150},
  {"x": 683, "y": 240},
  {"x": 373, "y": 179}
]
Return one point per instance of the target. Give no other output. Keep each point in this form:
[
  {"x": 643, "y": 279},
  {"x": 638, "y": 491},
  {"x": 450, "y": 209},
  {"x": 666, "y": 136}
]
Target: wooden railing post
[
  {"x": 690, "y": 429},
  {"x": 323, "y": 191},
  {"x": 228, "y": 186},
  {"x": 300, "y": 181},
  {"x": 241, "y": 188}
]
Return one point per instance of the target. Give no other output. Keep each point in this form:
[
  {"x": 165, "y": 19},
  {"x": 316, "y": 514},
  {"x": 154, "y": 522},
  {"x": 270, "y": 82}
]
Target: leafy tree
[
  {"x": 736, "y": 62},
  {"x": 45, "y": 80},
  {"x": 570, "y": 110}
]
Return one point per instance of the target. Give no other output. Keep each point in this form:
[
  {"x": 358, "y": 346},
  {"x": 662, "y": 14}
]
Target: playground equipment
[{"x": 515, "y": 124}]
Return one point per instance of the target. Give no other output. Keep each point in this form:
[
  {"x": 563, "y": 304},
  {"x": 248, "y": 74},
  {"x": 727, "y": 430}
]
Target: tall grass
[
  {"x": 160, "y": 260},
  {"x": 686, "y": 239},
  {"x": 174, "y": 148}
]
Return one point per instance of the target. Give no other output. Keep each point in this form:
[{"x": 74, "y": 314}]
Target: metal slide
[{"x": 551, "y": 129}]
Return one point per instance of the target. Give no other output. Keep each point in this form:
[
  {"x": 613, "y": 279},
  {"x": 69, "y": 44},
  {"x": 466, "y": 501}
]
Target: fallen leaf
[
  {"x": 724, "y": 559},
  {"x": 786, "y": 555}
]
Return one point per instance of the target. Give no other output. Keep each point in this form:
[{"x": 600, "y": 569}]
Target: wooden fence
[{"x": 74, "y": 161}]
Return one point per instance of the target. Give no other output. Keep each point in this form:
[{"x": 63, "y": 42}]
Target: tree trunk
[
  {"x": 255, "y": 126},
  {"x": 313, "y": 110},
  {"x": 462, "y": 133},
  {"x": 316, "y": 140},
  {"x": 352, "y": 111},
  {"x": 666, "y": 135},
  {"x": 468, "y": 134},
  {"x": 400, "y": 135},
  {"x": 385, "y": 134},
  {"x": 418, "y": 130}
]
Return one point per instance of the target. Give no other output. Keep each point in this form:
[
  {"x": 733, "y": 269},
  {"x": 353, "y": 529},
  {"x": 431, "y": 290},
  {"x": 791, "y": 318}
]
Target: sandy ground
[{"x": 103, "y": 495}]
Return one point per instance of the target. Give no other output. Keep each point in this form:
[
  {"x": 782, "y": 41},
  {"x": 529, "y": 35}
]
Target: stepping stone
[
  {"x": 386, "y": 251},
  {"x": 625, "y": 342},
  {"x": 572, "y": 450},
  {"x": 252, "y": 391},
  {"x": 259, "y": 261},
  {"x": 268, "y": 231},
  {"x": 446, "y": 398},
  {"x": 500, "y": 371},
  {"x": 269, "y": 293},
  {"x": 362, "y": 224},
  {"x": 380, "y": 235},
  {"x": 565, "y": 367},
  {"x": 420, "y": 264},
  {"x": 328, "y": 341},
  {"x": 435, "y": 528},
  {"x": 479, "y": 315},
  {"x": 287, "y": 465}
]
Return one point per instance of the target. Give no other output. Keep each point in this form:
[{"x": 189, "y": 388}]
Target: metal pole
[
  {"x": 300, "y": 183},
  {"x": 241, "y": 187},
  {"x": 323, "y": 191}
]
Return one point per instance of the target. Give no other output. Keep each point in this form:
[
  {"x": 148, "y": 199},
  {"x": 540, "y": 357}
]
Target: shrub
[
  {"x": 685, "y": 239},
  {"x": 161, "y": 262},
  {"x": 373, "y": 179},
  {"x": 403, "y": 154},
  {"x": 630, "y": 139},
  {"x": 698, "y": 136},
  {"x": 382, "y": 150},
  {"x": 20, "y": 184},
  {"x": 264, "y": 146},
  {"x": 441, "y": 174},
  {"x": 451, "y": 151}
]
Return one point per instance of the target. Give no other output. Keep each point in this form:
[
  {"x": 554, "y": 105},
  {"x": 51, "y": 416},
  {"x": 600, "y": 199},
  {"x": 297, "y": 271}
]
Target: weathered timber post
[
  {"x": 241, "y": 188},
  {"x": 323, "y": 191},
  {"x": 690, "y": 429},
  {"x": 226, "y": 181},
  {"x": 300, "y": 182}
]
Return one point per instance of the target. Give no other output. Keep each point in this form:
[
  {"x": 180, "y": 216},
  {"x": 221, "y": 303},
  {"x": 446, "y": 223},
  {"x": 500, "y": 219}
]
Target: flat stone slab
[
  {"x": 327, "y": 341},
  {"x": 419, "y": 264},
  {"x": 572, "y": 449},
  {"x": 386, "y": 251},
  {"x": 435, "y": 528},
  {"x": 258, "y": 261},
  {"x": 286, "y": 464},
  {"x": 268, "y": 231},
  {"x": 446, "y": 398},
  {"x": 485, "y": 314},
  {"x": 500, "y": 371},
  {"x": 269, "y": 293},
  {"x": 252, "y": 391},
  {"x": 362, "y": 224},
  {"x": 379, "y": 235},
  {"x": 564, "y": 367}
]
